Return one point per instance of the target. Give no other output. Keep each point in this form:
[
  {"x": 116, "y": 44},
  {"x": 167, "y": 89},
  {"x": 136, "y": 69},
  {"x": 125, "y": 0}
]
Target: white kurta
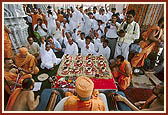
[
  {"x": 48, "y": 58},
  {"x": 97, "y": 44},
  {"x": 90, "y": 50},
  {"x": 88, "y": 24},
  {"x": 40, "y": 30},
  {"x": 105, "y": 52},
  {"x": 70, "y": 49},
  {"x": 51, "y": 22}
]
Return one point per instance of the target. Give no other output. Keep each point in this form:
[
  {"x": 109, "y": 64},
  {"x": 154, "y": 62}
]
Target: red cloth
[{"x": 99, "y": 83}]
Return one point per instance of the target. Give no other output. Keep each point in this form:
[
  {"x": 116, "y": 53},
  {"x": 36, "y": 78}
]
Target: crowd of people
[{"x": 52, "y": 34}]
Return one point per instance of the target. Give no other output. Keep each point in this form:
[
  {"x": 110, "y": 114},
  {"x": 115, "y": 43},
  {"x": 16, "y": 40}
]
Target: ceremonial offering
[
  {"x": 90, "y": 66},
  {"x": 42, "y": 77}
]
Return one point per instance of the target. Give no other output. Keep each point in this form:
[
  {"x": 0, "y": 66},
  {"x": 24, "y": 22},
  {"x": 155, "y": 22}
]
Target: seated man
[
  {"x": 48, "y": 57},
  {"x": 105, "y": 50},
  {"x": 33, "y": 48},
  {"x": 26, "y": 61},
  {"x": 22, "y": 99},
  {"x": 71, "y": 46},
  {"x": 88, "y": 47},
  {"x": 87, "y": 99},
  {"x": 11, "y": 73},
  {"x": 122, "y": 72},
  {"x": 56, "y": 47},
  {"x": 154, "y": 103}
]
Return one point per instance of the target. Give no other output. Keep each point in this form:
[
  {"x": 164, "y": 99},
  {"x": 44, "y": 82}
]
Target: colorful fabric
[
  {"x": 7, "y": 46},
  {"x": 73, "y": 103},
  {"x": 34, "y": 18},
  {"x": 27, "y": 63},
  {"x": 147, "y": 48},
  {"x": 84, "y": 86},
  {"x": 12, "y": 99},
  {"x": 123, "y": 81}
]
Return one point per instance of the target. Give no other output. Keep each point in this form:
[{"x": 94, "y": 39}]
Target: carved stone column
[{"x": 14, "y": 19}]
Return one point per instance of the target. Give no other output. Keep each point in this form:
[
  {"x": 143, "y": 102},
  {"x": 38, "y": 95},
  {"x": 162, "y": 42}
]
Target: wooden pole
[{"x": 157, "y": 15}]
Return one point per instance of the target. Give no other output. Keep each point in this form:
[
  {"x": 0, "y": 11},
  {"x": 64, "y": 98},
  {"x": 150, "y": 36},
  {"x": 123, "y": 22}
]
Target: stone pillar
[{"x": 14, "y": 19}]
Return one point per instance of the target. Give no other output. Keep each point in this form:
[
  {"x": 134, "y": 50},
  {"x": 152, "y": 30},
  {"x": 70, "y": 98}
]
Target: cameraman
[
  {"x": 111, "y": 33},
  {"x": 51, "y": 17}
]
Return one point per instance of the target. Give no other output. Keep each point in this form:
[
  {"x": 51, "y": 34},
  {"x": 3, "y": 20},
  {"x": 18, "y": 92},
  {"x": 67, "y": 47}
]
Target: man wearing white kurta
[
  {"x": 71, "y": 47},
  {"x": 48, "y": 57},
  {"x": 105, "y": 50},
  {"x": 130, "y": 32},
  {"x": 87, "y": 47},
  {"x": 51, "y": 17}
]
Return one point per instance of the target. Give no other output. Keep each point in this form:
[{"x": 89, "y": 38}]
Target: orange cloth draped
[
  {"x": 123, "y": 81},
  {"x": 34, "y": 18},
  {"x": 12, "y": 99},
  {"x": 73, "y": 103},
  {"x": 7, "y": 46},
  {"x": 138, "y": 59},
  {"x": 27, "y": 63},
  {"x": 9, "y": 76},
  {"x": 60, "y": 17}
]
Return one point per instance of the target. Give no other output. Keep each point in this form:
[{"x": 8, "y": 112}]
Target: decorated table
[{"x": 94, "y": 67}]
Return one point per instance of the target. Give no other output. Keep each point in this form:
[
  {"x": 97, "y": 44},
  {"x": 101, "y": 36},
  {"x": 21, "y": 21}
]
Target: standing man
[
  {"x": 127, "y": 32},
  {"x": 111, "y": 34},
  {"x": 51, "y": 17},
  {"x": 40, "y": 28}
]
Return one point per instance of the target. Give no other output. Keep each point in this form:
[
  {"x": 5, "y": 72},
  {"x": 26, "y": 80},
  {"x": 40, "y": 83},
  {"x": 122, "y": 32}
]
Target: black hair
[
  {"x": 103, "y": 36},
  {"x": 39, "y": 19},
  {"x": 27, "y": 83},
  {"x": 131, "y": 12},
  {"x": 95, "y": 7},
  {"x": 102, "y": 9},
  {"x": 29, "y": 37},
  {"x": 121, "y": 58},
  {"x": 88, "y": 37},
  {"x": 82, "y": 33},
  {"x": 161, "y": 20},
  {"x": 106, "y": 41},
  {"x": 49, "y": 7},
  {"x": 124, "y": 8},
  {"x": 113, "y": 8},
  {"x": 114, "y": 15},
  {"x": 90, "y": 13},
  {"x": 49, "y": 37}
]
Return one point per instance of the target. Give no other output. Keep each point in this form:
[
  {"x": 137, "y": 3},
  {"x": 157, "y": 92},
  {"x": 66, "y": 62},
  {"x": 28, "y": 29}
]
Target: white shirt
[
  {"x": 105, "y": 52},
  {"x": 70, "y": 49},
  {"x": 131, "y": 35},
  {"x": 99, "y": 31},
  {"x": 97, "y": 44},
  {"x": 109, "y": 14},
  {"x": 40, "y": 30},
  {"x": 79, "y": 41},
  {"x": 88, "y": 24},
  {"x": 90, "y": 50},
  {"x": 51, "y": 22},
  {"x": 48, "y": 58},
  {"x": 112, "y": 31}
]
